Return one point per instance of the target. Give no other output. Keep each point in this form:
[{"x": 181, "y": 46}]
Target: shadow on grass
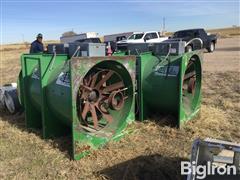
[
  {"x": 64, "y": 144},
  {"x": 145, "y": 168},
  {"x": 164, "y": 120}
]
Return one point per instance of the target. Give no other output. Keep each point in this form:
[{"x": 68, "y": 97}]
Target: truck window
[
  {"x": 181, "y": 34},
  {"x": 148, "y": 36},
  {"x": 96, "y": 40},
  {"x": 119, "y": 38},
  {"x": 154, "y": 35},
  {"x": 196, "y": 34},
  {"x": 202, "y": 32},
  {"x": 136, "y": 36}
]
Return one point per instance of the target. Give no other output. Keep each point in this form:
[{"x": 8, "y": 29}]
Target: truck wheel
[
  {"x": 189, "y": 48},
  {"x": 211, "y": 47}
]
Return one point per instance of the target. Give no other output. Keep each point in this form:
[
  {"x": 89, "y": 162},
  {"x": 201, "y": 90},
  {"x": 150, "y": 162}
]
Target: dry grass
[
  {"x": 150, "y": 150},
  {"x": 22, "y": 46},
  {"x": 10, "y": 63},
  {"x": 226, "y": 32}
]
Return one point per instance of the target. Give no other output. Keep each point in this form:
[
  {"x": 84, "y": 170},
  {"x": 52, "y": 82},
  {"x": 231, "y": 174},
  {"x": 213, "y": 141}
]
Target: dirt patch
[{"x": 225, "y": 58}]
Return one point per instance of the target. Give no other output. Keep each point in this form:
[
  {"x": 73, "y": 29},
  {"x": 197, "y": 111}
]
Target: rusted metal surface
[
  {"x": 94, "y": 114},
  {"x": 191, "y": 85},
  {"x": 116, "y": 100},
  {"x": 189, "y": 79},
  {"x": 97, "y": 94}
]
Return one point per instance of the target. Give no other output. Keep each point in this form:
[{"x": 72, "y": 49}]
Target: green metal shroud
[
  {"x": 164, "y": 86},
  {"x": 52, "y": 104}
]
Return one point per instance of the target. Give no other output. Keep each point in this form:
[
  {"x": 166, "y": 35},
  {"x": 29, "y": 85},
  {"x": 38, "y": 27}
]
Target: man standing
[{"x": 37, "y": 45}]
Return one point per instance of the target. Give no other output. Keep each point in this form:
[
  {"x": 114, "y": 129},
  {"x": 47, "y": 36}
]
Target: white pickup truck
[{"x": 142, "y": 37}]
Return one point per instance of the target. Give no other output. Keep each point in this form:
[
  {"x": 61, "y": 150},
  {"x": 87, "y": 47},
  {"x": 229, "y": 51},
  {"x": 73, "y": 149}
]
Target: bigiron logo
[{"x": 202, "y": 171}]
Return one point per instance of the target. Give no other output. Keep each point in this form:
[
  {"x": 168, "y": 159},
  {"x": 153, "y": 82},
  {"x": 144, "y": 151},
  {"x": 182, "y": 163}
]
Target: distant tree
[{"x": 69, "y": 33}]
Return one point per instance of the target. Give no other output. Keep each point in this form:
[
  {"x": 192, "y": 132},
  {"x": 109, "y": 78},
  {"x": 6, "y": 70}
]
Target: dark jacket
[{"x": 36, "y": 47}]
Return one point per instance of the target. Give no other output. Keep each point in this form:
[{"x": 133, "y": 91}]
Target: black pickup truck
[{"x": 208, "y": 41}]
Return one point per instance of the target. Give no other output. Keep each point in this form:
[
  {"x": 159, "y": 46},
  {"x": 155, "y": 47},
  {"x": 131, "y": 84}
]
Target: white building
[{"x": 69, "y": 39}]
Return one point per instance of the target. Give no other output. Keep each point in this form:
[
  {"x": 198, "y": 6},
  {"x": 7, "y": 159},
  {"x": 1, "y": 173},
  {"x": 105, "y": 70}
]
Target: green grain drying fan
[
  {"x": 168, "y": 80},
  {"x": 94, "y": 98},
  {"x": 91, "y": 97}
]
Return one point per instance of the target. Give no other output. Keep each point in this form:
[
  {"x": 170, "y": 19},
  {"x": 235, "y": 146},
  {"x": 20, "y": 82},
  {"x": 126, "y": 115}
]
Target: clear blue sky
[{"x": 24, "y": 19}]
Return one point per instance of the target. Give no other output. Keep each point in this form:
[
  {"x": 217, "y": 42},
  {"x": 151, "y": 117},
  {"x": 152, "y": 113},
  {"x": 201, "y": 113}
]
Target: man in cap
[{"x": 37, "y": 45}]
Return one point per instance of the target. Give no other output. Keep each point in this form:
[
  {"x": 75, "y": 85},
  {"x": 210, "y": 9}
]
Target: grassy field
[
  {"x": 151, "y": 149},
  {"x": 226, "y": 32}
]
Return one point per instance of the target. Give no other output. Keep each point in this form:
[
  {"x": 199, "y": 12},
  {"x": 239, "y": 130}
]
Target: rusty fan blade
[
  {"x": 191, "y": 85},
  {"x": 86, "y": 81},
  {"x": 189, "y": 75},
  {"x": 191, "y": 62},
  {"x": 94, "y": 116},
  {"x": 93, "y": 80},
  {"x": 86, "y": 87},
  {"x": 98, "y": 83},
  {"x": 85, "y": 110},
  {"x": 103, "y": 80},
  {"x": 108, "y": 117},
  {"x": 113, "y": 87},
  {"x": 105, "y": 114}
]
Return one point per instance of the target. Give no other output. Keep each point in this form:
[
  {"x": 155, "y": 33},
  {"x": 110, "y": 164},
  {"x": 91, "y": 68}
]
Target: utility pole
[{"x": 163, "y": 27}]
